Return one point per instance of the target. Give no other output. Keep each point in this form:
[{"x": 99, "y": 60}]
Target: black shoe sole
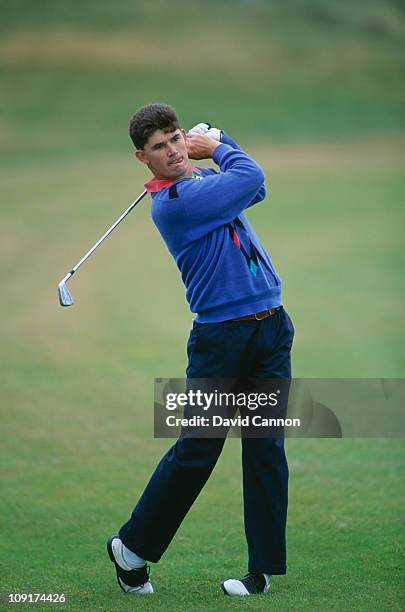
[{"x": 224, "y": 589}]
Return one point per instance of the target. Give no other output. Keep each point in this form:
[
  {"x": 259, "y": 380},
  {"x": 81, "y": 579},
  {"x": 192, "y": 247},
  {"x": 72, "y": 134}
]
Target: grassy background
[{"x": 315, "y": 91}]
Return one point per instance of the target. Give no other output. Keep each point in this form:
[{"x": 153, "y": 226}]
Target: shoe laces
[{"x": 254, "y": 580}]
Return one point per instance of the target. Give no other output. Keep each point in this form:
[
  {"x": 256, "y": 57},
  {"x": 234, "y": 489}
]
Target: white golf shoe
[
  {"x": 251, "y": 584},
  {"x": 130, "y": 580}
]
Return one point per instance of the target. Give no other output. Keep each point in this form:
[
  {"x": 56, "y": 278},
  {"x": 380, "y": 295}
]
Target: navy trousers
[{"x": 259, "y": 349}]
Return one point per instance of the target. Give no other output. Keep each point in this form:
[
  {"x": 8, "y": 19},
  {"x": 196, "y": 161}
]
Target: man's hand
[
  {"x": 205, "y": 129},
  {"x": 200, "y": 128},
  {"x": 200, "y": 147},
  {"x": 215, "y": 134}
]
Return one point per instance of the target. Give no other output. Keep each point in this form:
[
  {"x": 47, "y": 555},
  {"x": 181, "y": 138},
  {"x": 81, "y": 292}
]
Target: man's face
[{"x": 165, "y": 154}]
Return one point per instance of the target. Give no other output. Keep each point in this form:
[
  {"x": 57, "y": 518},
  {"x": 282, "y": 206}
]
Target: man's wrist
[
  {"x": 214, "y": 145},
  {"x": 219, "y": 152}
]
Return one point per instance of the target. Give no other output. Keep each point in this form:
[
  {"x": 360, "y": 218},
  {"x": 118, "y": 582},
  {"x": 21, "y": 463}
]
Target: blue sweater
[{"x": 225, "y": 269}]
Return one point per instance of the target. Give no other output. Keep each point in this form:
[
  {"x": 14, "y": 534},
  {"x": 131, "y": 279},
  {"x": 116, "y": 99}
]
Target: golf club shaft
[{"x": 104, "y": 236}]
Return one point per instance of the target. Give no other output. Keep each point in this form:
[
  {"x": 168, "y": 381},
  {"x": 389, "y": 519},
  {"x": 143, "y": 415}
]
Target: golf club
[{"x": 65, "y": 297}]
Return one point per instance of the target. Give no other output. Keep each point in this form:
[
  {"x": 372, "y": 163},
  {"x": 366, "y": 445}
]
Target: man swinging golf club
[{"x": 241, "y": 330}]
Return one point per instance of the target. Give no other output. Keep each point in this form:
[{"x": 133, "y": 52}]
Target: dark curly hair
[{"x": 150, "y": 118}]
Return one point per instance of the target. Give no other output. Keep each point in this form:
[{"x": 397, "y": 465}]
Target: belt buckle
[{"x": 261, "y": 318}]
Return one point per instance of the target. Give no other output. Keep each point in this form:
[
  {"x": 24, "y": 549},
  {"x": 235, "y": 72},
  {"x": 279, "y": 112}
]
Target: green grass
[
  {"x": 315, "y": 91},
  {"x": 344, "y": 523},
  {"x": 77, "y": 383}
]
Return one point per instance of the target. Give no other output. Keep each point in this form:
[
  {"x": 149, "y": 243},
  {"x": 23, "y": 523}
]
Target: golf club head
[{"x": 65, "y": 298}]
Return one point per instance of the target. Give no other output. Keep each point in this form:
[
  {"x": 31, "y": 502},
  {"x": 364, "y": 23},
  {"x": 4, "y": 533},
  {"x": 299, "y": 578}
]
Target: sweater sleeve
[
  {"x": 219, "y": 198},
  {"x": 261, "y": 194}
]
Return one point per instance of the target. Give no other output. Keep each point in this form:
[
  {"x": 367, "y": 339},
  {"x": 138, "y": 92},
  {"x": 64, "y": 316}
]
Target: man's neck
[
  {"x": 188, "y": 172},
  {"x": 157, "y": 184}
]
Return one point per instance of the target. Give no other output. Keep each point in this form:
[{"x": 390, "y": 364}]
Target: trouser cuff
[{"x": 273, "y": 570}]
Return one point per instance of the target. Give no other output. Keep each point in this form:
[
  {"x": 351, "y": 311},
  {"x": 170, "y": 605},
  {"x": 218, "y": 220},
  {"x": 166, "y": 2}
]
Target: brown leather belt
[{"x": 259, "y": 316}]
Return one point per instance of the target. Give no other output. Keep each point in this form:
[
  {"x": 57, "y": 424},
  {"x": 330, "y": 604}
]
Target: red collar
[{"x": 155, "y": 185}]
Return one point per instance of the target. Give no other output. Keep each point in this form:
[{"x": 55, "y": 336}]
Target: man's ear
[
  {"x": 140, "y": 155},
  {"x": 183, "y": 132}
]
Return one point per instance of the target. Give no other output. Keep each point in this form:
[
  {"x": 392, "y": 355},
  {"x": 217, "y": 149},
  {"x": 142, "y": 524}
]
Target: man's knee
[{"x": 198, "y": 452}]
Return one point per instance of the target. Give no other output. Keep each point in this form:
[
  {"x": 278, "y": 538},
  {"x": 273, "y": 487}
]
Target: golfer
[{"x": 241, "y": 330}]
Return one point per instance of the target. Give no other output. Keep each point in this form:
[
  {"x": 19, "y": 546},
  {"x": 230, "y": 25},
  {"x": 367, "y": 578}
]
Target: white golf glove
[
  {"x": 205, "y": 129},
  {"x": 215, "y": 134},
  {"x": 200, "y": 129}
]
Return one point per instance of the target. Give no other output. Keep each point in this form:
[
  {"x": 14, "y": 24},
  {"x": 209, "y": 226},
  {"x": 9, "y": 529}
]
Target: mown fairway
[{"x": 77, "y": 384}]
